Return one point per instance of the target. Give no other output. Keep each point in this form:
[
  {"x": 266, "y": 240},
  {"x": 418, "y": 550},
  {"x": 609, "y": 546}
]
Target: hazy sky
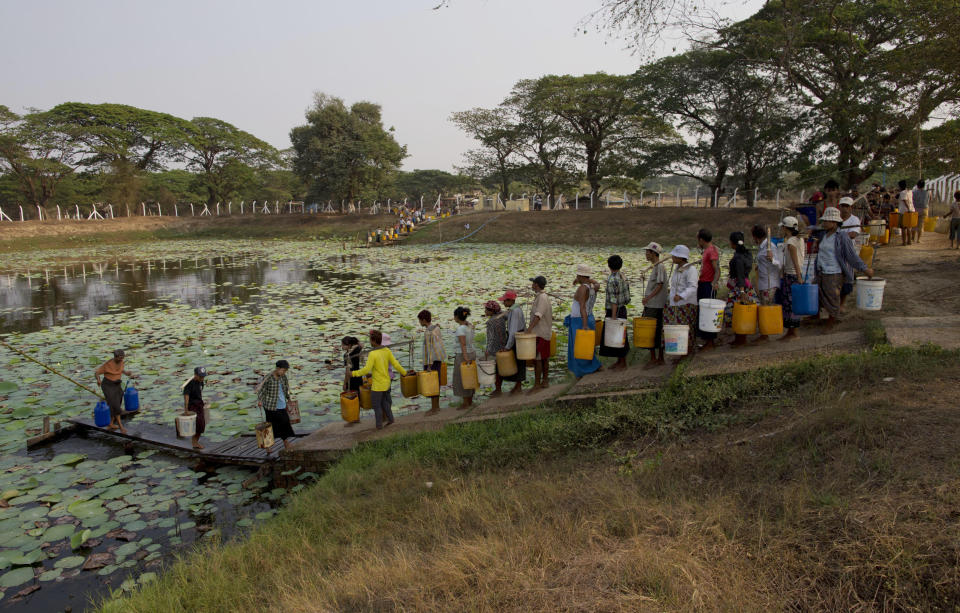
[{"x": 257, "y": 63}]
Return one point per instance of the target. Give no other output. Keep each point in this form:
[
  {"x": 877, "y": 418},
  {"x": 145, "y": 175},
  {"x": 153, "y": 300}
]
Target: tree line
[
  {"x": 800, "y": 91},
  {"x": 79, "y": 153}
]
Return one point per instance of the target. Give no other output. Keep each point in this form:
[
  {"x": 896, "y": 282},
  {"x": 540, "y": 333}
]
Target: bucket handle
[{"x": 484, "y": 371}]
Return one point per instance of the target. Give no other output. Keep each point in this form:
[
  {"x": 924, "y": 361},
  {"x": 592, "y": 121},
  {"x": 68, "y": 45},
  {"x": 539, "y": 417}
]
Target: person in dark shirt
[{"x": 193, "y": 401}]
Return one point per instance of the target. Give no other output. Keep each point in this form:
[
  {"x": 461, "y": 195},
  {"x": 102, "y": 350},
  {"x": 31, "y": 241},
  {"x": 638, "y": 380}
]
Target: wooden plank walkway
[{"x": 239, "y": 450}]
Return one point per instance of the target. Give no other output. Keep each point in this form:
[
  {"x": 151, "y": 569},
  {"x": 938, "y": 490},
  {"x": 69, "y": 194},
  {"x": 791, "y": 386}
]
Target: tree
[
  {"x": 604, "y": 118},
  {"x": 121, "y": 136},
  {"x": 544, "y": 141},
  {"x": 344, "y": 152},
  {"x": 870, "y": 72},
  {"x": 215, "y": 149},
  {"x": 499, "y": 137},
  {"x": 430, "y": 183},
  {"x": 37, "y": 151},
  {"x": 736, "y": 117}
]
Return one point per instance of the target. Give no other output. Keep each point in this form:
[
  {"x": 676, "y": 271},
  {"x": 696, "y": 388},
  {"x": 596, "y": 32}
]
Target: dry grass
[{"x": 822, "y": 503}]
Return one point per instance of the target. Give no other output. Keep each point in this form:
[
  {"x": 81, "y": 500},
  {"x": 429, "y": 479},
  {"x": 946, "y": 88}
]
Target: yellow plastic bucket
[
  {"x": 584, "y": 344},
  {"x": 911, "y": 219},
  {"x": 866, "y": 254},
  {"x": 468, "y": 375},
  {"x": 408, "y": 385},
  {"x": 349, "y": 407},
  {"x": 884, "y": 238},
  {"x": 443, "y": 374},
  {"x": 553, "y": 344},
  {"x": 366, "y": 401},
  {"x": 506, "y": 364},
  {"x": 930, "y": 224},
  {"x": 526, "y": 346},
  {"x": 771, "y": 319},
  {"x": 744, "y": 318},
  {"x": 644, "y": 332},
  {"x": 428, "y": 383},
  {"x": 894, "y": 220}
]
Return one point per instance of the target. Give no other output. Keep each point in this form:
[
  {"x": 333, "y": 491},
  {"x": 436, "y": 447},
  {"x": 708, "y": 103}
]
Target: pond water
[{"x": 234, "y": 307}]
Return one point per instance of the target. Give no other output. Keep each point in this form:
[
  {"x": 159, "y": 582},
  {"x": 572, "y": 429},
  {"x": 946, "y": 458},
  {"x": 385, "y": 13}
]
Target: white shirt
[
  {"x": 905, "y": 199},
  {"x": 851, "y": 226},
  {"x": 683, "y": 283},
  {"x": 768, "y": 272}
]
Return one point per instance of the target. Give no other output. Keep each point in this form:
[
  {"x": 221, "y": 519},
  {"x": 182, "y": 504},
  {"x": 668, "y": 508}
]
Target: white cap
[
  {"x": 681, "y": 251},
  {"x": 790, "y": 222},
  {"x": 654, "y": 247},
  {"x": 831, "y": 214},
  {"x": 846, "y": 200}
]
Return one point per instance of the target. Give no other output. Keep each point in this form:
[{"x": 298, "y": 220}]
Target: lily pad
[
  {"x": 56, "y": 533},
  {"x": 78, "y": 539},
  {"x": 66, "y": 459},
  {"x": 50, "y": 575},
  {"x": 17, "y": 576},
  {"x": 86, "y": 508},
  {"x": 69, "y": 562},
  {"x": 8, "y": 386}
]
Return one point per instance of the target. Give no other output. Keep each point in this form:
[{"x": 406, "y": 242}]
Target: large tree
[
  {"x": 38, "y": 151},
  {"x": 430, "y": 183},
  {"x": 871, "y": 72},
  {"x": 498, "y": 134},
  {"x": 214, "y": 149},
  {"x": 605, "y": 119},
  {"x": 737, "y": 118},
  {"x": 344, "y": 152},
  {"x": 544, "y": 141}
]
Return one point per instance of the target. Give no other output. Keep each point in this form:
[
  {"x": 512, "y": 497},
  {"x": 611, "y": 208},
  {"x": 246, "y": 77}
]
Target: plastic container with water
[
  {"x": 711, "y": 314},
  {"x": 101, "y": 415},
  {"x": 870, "y": 294},
  {"x": 131, "y": 399},
  {"x": 676, "y": 340}
]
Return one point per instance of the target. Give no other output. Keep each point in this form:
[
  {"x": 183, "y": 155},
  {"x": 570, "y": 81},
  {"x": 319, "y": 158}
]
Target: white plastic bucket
[
  {"x": 870, "y": 294},
  {"x": 711, "y": 314},
  {"x": 675, "y": 340},
  {"x": 614, "y": 332},
  {"x": 187, "y": 425},
  {"x": 486, "y": 372},
  {"x": 877, "y": 228},
  {"x": 526, "y": 346}
]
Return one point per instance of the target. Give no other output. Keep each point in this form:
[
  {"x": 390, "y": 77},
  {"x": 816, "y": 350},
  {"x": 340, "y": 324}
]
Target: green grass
[{"x": 516, "y": 493}]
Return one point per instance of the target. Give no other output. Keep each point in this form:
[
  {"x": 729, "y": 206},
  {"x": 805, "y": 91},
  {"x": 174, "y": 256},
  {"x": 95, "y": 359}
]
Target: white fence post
[
  {"x": 77, "y": 206},
  {"x": 756, "y": 195},
  {"x": 230, "y": 208},
  {"x": 696, "y": 196},
  {"x": 716, "y": 197},
  {"x": 678, "y": 197},
  {"x": 21, "y": 212},
  {"x": 778, "y": 198},
  {"x": 110, "y": 208},
  {"x": 591, "y": 199},
  {"x": 218, "y": 209},
  {"x": 58, "y": 212},
  {"x": 577, "y": 202},
  {"x": 143, "y": 207}
]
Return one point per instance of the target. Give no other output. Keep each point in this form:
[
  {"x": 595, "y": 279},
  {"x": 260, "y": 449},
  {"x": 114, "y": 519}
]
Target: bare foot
[
  {"x": 496, "y": 394},
  {"x": 432, "y": 412},
  {"x": 516, "y": 390},
  {"x": 197, "y": 446},
  {"x": 123, "y": 430},
  {"x": 111, "y": 427},
  {"x": 760, "y": 340}
]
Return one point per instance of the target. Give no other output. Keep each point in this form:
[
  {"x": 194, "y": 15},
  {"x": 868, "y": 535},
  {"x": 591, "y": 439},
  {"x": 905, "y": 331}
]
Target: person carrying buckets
[
  {"x": 111, "y": 371},
  {"x": 616, "y": 299},
  {"x": 794, "y": 255},
  {"x": 193, "y": 402},
  {"x": 769, "y": 269},
  {"x": 352, "y": 350},
  {"x": 515, "y": 323},
  {"x": 708, "y": 281},
  {"x": 655, "y": 299},
  {"x": 581, "y": 318},
  {"x": 379, "y": 361},
  {"x": 738, "y": 283},
  {"x": 464, "y": 352},
  {"x": 681, "y": 309},
  {"x": 434, "y": 353},
  {"x": 496, "y": 339},
  {"x": 541, "y": 325},
  {"x": 273, "y": 394},
  {"x": 837, "y": 259}
]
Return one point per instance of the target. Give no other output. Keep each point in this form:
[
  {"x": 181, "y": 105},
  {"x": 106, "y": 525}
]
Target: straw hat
[
  {"x": 831, "y": 214},
  {"x": 583, "y": 270},
  {"x": 681, "y": 251},
  {"x": 654, "y": 247}
]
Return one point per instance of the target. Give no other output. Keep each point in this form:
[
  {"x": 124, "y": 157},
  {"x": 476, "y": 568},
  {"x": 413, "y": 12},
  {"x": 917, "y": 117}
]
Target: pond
[{"x": 234, "y": 307}]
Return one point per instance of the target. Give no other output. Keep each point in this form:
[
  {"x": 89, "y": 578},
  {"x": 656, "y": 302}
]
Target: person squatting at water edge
[
  {"x": 111, "y": 371},
  {"x": 273, "y": 394},
  {"x": 379, "y": 361}
]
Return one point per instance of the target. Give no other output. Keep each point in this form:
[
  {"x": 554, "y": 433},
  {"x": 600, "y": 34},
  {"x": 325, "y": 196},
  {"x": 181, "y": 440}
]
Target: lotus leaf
[
  {"x": 135, "y": 526},
  {"x": 78, "y": 539},
  {"x": 8, "y": 386},
  {"x": 107, "y": 570},
  {"x": 50, "y": 575},
  {"x": 28, "y": 558},
  {"x": 16, "y": 577},
  {"x": 126, "y": 549},
  {"x": 69, "y": 562},
  {"x": 86, "y": 508},
  {"x": 56, "y": 533},
  {"x": 68, "y": 458}
]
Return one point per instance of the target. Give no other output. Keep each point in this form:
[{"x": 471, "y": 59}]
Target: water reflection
[{"x": 38, "y": 300}]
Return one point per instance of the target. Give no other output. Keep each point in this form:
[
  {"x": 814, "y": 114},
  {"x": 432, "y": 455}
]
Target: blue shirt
[
  {"x": 827, "y": 259},
  {"x": 281, "y": 400}
]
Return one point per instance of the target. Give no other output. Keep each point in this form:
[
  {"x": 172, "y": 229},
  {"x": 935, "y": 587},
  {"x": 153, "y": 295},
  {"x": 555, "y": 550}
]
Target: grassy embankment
[
  {"x": 599, "y": 227},
  {"x": 810, "y": 486}
]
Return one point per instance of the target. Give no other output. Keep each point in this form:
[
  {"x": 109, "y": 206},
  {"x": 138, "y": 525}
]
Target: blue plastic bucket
[
  {"x": 101, "y": 415},
  {"x": 806, "y": 298},
  {"x": 777, "y": 240},
  {"x": 131, "y": 399}
]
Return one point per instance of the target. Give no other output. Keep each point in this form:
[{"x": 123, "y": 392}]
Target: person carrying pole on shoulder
[
  {"x": 193, "y": 401},
  {"x": 112, "y": 371}
]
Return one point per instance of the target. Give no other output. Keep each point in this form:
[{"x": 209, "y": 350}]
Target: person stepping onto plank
[
  {"x": 193, "y": 401},
  {"x": 111, "y": 371}
]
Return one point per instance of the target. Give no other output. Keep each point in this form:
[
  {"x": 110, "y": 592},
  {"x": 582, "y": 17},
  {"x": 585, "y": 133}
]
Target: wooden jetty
[{"x": 239, "y": 450}]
